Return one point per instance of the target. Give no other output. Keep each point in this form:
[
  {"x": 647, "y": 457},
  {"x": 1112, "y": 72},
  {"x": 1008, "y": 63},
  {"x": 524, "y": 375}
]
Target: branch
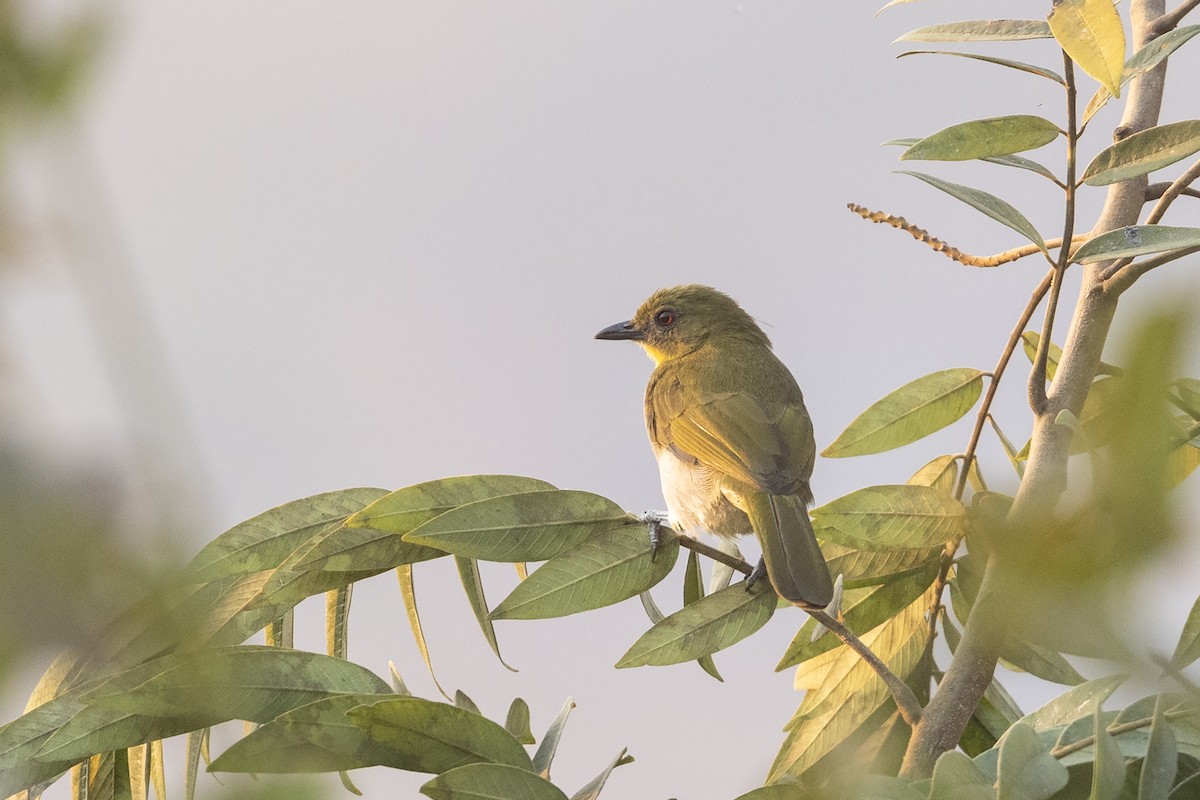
[
  {"x": 1129, "y": 273},
  {"x": 1177, "y": 187},
  {"x": 953, "y": 253},
  {"x": 906, "y": 701},
  {"x": 1168, "y": 22},
  {"x": 1156, "y": 190}
]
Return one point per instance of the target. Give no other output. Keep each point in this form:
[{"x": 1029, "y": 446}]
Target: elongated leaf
[
  {"x": 22, "y": 738},
  {"x": 611, "y": 566},
  {"x": 693, "y": 590},
  {"x": 317, "y": 737},
  {"x": 533, "y": 526},
  {"x": 1025, "y": 770},
  {"x": 955, "y": 777},
  {"x": 371, "y": 538},
  {"x": 980, "y": 30},
  {"x": 517, "y": 722},
  {"x": 850, "y": 691},
  {"x": 984, "y": 138},
  {"x": 899, "y": 517},
  {"x": 1072, "y": 704},
  {"x": 1162, "y": 755},
  {"x": 1135, "y": 240},
  {"x": 987, "y": 204},
  {"x": 915, "y": 410},
  {"x": 862, "y": 610},
  {"x": 1108, "y": 765},
  {"x": 778, "y": 791},
  {"x": 941, "y": 473},
  {"x": 1187, "y": 651},
  {"x": 468, "y": 572},
  {"x": 262, "y": 542},
  {"x": 1091, "y": 33},
  {"x": 591, "y": 790},
  {"x": 490, "y": 782},
  {"x": 1144, "y": 152},
  {"x": 1032, "y": 69},
  {"x": 337, "y": 618},
  {"x": 860, "y": 568},
  {"x": 191, "y": 762},
  {"x": 436, "y": 737},
  {"x": 1029, "y": 343},
  {"x": 1015, "y": 161},
  {"x": 1144, "y": 60},
  {"x": 718, "y": 621},
  {"x": 544, "y": 757},
  {"x": 463, "y": 700},
  {"x": 408, "y": 595}
]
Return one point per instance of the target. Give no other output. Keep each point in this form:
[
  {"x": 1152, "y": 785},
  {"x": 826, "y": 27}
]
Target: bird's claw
[
  {"x": 758, "y": 573},
  {"x": 654, "y": 521}
]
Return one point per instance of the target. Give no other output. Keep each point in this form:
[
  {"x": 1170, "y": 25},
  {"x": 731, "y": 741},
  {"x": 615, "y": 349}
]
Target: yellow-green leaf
[
  {"x": 985, "y": 203},
  {"x": 1135, "y": 240},
  {"x": 984, "y": 138},
  {"x": 902, "y": 517},
  {"x": 980, "y": 30},
  {"x": 1091, "y": 33},
  {"x": 1021, "y": 66},
  {"x": 490, "y": 782},
  {"x": 1025, "y": 769},
  {"x": 1141, "y": 62},
  {"x": 1144, "y": 152}
]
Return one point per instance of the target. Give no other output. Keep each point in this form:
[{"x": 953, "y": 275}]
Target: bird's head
[{"x": 679, "y": 319}]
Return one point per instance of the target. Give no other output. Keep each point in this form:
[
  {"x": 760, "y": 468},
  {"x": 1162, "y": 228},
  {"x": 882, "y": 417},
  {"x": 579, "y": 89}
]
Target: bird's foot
[
  {"x": 654, "y": 521},
  {"x": 758, "y": 573},
  {"x": 834, "y": 609}
]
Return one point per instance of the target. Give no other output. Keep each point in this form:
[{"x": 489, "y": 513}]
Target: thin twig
[
  {"x": 1129, "y": 273},
  {"x": 1113, "y": 730},
  {"x": 953, "y": 253},
  {"x": 1170, "y": 20},
  {"x": 906, "y": 701},
  {"x": 1157, "y": 190},
  {"x": 1176, "y": 188},
  {"x": 1122, "y": 273}
]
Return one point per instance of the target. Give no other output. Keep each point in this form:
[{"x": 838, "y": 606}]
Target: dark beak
[{"x": 622, "y": 330}]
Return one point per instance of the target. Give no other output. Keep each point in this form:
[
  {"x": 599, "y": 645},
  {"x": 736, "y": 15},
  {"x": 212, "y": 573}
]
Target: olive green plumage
[{"x": 733, "y": 440}]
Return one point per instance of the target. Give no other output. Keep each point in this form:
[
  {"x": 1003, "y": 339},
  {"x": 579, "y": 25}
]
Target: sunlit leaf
[
  {"x": 941, "y": 473},
  {"x": 408, "y": 595},
  {"x": 533, "y": 526},
  {"x": 490, "y": 782},
  {"x": 1015, "y": 161},
  {"x": 472, "y": 581},
  {"x": 1091, "y": 33},
  {"x": 1029, "y": 343},
  {"x": 1144, "y": 152},
  {"x": 778, "y": 791},
  {"x": 517, "y": 722},
  {"x": 436, "y": 737},
  {"x": 1135, "y": 240},
  {"x": 983, "y": 138},
  {"x": 869, "y": 567},
  {"x": 890, "y": 518},
  {"x": 718, "y": 621},
  {"x": 987, "y": 204},
  {"x": 915, "y": 410},
  {"x": 1032, "y": 69},
  {"x": 980, "y": 30},
  {"x": 1025, "y": 770},
  {"x": 22, "y": 738},
  {"x": 693, "y": 591},
  {"x": 1141, "y": 62},
  {"x": 612, "y": 566},
  {"x": 544, "y": 756}
]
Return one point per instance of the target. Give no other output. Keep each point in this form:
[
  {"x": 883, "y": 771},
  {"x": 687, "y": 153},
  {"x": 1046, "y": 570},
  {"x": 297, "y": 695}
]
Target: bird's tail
[{"x": 794, "y": 561}]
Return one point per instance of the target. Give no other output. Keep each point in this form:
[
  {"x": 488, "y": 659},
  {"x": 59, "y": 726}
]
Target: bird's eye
[{"x": 664, "y": 319}]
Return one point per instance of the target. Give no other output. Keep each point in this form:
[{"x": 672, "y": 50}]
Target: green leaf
[
  {"x": 980, "y": 30},
  {"x": 693, "y": 590},
  {"x": 1162, "y": 755},
  {"x": 517, "y": 722},
  {"x": 1144, "y": 60},
  {"x": 371, "y": 538},
  {"x": 862, "y": 610},
  {"x": 1108, "y": 767},
  {"x": 718, "y": 621},
  {"x": 983, "y": 138},
  {"x": 1072, "y": 704},
  {"x": 317, "y": 737},
  {"x": 533, "y": 526},
  {"x": 1144, "y": 152},
  {"x": 849, "y": 691},
  {"x": 778, "y": 791},
  {"x": 549, "y": 746},
  {"x": 592, "y": 789},
  {"x": 1135, "y": 240},
  {"x": 869, "y": 567},
  {"x": 987, "y": 204},
  {"x": 468, "y": 572},
  {"x": 337, "y": 617},
  {"x": 612, "y": 566},
  {"x": 1040, "y": 661},
  {"x": 1025, "y": 770},
  {"x": 404, "y": 575},
  {"x": 1003, "y": 62},
  {"x": 22, "y": 738},
  {"x": 463, "y": 700},
  {"x": 1187, "y": 651},
  {"x": 1091, "y": 33},
  {"x": 1029, "y": 343},
  {"x": 955, "y": 777},
  {"x": 490, "y": 782},
  {"x": 899, "y": 517},
  {"x": 262, "y": 542},
  {"x": 436, "y": 737},
  {"x": 941, "y": 473},
  {"x": 1017, "y": 162},
  {"x": 912, "y": 412}
]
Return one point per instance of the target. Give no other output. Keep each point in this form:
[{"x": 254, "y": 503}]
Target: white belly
[{"x": 697, "y": 501}]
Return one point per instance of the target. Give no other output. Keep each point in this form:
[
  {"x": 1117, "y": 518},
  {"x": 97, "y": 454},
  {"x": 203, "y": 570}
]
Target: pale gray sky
[{"x": 376, "y": 238}]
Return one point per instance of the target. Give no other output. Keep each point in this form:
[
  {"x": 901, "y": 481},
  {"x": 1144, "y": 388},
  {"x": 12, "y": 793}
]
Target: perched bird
[{"x": 733, "y": 440}]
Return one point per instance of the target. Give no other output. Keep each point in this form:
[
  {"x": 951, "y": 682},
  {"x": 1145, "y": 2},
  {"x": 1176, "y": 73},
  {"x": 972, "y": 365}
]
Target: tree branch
[
  {"x": 1168, "y": 22},
  {"x": 1156, "y": 190},
  {"x": 1129, "y": 273},
  {"x": 906, "y": 701}
]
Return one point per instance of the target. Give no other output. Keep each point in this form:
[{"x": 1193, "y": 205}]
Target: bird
[{"x": 732, "y": 438}]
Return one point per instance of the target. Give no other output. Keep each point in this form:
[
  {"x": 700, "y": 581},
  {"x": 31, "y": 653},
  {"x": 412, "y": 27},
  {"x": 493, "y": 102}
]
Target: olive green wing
[{"x": 764, "y": 444}]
